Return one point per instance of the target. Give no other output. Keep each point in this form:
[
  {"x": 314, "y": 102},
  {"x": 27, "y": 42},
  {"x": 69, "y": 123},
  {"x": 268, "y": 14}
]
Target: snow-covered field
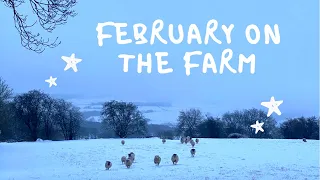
[{"x": 215, "y": 159}]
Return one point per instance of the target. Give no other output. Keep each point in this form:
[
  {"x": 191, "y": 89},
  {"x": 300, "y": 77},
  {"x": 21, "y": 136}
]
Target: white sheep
[
  {"x": 193, "y": 152},
  {"x": 108, "y": 165},
  {"x": 123, "y": 159},
  {"x": 175, "y": 159},
  {"x": 163, "y": 141},
  {"x": 192, "y": 143},
  {"x": 128, "y": 163},
  {"x": 157, "y": 160},
  {"x": 188, "y": 137},
  {"x": 182, "y": 140},
  {"x": 131, "y": 156}
]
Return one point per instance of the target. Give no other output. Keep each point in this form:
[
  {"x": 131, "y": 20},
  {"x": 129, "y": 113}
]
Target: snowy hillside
[
  {"x": 167, "y": 113},
  {"x": 235, "y": 159},
  {"x": 157, "y": 112}
]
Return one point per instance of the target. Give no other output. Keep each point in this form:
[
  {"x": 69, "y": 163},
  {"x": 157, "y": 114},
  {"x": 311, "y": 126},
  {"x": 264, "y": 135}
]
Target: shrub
[
  {"x": 212, "y": 128},
  {"x": 167, "y": 134},
  {"x": 302, "y": 127},
  {"x": 236, "y": 135}
]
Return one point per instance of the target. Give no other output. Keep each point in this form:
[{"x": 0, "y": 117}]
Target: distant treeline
[
  {"x": 236, "y": 124},
  {"x": 34, "y": 114}
]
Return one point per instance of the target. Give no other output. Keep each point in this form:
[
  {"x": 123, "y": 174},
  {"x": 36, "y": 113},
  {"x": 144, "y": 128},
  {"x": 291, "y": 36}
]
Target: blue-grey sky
[{"x": 289, "y": 71}]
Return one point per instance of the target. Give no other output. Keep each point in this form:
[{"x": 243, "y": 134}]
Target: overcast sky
[{"x": 289, "y": 71}]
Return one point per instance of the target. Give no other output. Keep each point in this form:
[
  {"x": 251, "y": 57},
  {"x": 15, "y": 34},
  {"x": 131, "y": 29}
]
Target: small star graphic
[
  {"x": 51, "y": 81},
  {"x": 272, "y": 106},
  {"x": 71, "y": 62},
  {"x": 258, "y": 126}
]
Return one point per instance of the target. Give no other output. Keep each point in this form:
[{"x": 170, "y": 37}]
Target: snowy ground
[{"x": 215, "y": 159}]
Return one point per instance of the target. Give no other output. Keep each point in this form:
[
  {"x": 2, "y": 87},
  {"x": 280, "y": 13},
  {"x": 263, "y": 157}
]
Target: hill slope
[{"x": 214, "y": 159}]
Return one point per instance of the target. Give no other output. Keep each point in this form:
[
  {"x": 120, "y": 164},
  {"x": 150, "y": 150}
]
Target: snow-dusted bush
[
  {"x": 39, "y": 140},
  {"x": 236, "y": 135}
]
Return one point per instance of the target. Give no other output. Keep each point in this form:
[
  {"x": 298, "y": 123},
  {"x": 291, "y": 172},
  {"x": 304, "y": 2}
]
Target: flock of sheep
[{"x": 157, "y": 159}]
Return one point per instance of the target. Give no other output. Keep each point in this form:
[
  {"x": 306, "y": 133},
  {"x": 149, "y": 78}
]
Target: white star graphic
[
  {"x": 258, "y": 126},
  {"x": 51, "y": 81},
  {"x": 71, "y": 62},
  {"x": 272, "y": 106}
]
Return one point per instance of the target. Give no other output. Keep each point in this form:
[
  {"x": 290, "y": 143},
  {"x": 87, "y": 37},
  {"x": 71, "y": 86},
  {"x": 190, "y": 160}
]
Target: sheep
[
  {"x": 304, "y": 140},
  {"x": 163, "y": 141},
  {"x": 131, "y": 156},
  {"x": 123, "y": 159},
  {"x": 122, "y": 142},
  {"x": 175, "y": 159},
  {"x": 188, "y": 137},
  {"x": 128, "y": 163},
  {"x": 192, "y": 143},
  {"x": 157, "y": 159},
  {"x": 108, "y": 165},
  {"x": 197, "y": 140},
  {"x": 186, "y": 140},
  {"x": 193, "y": 152},
  {"x": 182, "y": 140}
]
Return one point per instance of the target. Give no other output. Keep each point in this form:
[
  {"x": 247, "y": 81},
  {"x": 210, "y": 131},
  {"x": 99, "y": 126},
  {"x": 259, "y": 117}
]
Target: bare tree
[
  {"x": 234, "y": 122},
  {"x": 48, "y": 118},
  {"x": 124, "y": 118},
  {"x": 5, "y": 91},
  {"x": 68, "y": 119},
  {"x": 240, "y": 121},
  {"x": 5, "y": 113},
  {"x": 50, "y": 14},
  {"x": 301, "y": 127},
  {"x": 188, "y": 122},
  {"x": 212, "y": 127},
  {"x": 75, "y": 119},
  {"x": 29, "y": 108}
]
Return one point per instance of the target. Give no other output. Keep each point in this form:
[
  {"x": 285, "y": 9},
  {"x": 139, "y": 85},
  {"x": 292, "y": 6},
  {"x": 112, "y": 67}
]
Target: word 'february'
[{"x": 193, "y": 34}]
